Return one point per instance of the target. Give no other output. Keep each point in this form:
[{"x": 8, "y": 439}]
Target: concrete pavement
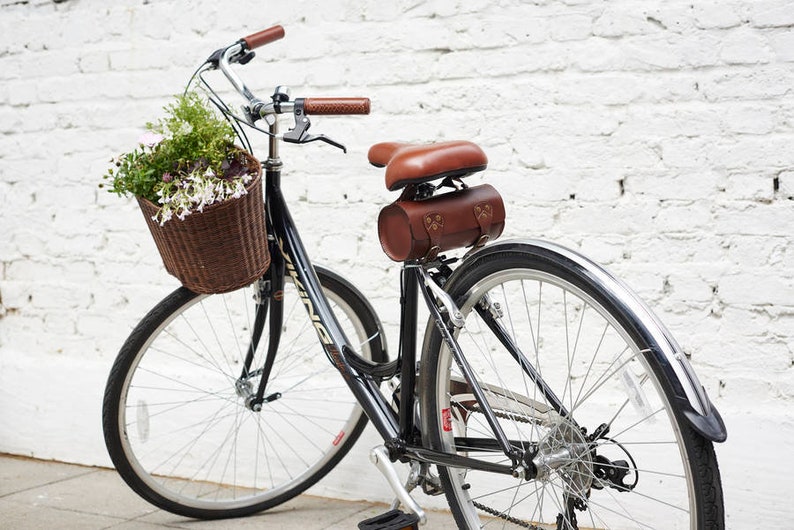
[{"x": 37, "y": 494}]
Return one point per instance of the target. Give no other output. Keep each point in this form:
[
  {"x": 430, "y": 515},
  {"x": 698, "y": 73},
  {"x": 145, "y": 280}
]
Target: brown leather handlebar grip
[
  {"x": 336, "y": 105},
  {"x": 266, "y": 36}
]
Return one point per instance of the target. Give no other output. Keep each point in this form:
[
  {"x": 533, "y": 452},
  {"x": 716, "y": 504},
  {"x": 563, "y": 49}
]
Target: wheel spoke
[
  {"x": 181, "y": 416},
  {"x": 588, "y": 355}
]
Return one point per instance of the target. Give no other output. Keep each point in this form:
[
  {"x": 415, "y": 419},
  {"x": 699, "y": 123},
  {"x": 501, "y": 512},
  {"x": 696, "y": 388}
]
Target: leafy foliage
[{"x": 186, "y": 160}]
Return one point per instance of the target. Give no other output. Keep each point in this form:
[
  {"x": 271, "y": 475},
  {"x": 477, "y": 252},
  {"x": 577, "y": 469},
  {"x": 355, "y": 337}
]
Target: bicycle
[{"x": 546, "y": 395}]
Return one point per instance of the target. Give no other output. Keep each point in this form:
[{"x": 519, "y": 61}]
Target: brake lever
[
  {"x": 324, "y": 138},
  {"x": 215, "y": 57},
  {"x": 299, "y": 134},
  {"x": 246, "y": 57}
]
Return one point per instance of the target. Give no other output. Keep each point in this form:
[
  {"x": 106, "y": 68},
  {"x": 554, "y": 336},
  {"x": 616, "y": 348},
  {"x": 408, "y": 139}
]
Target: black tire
[
  {"x": 175, "y": 421},
  {"x": 593, "y": 352}
]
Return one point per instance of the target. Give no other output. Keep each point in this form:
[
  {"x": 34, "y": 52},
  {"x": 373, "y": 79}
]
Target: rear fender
[{"x": 688, "y": 394}]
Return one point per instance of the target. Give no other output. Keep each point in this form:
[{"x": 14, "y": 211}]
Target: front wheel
[
  {"x": 568, "y": 371},
  {"x": 178, "y": 419}
]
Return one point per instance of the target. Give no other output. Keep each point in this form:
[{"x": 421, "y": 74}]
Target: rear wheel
[
  {"x": 606, "y": 445},
  {"x": 177, "y": 419}
]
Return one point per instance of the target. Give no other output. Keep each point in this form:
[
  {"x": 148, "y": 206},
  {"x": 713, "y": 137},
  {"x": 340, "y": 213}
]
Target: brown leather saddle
[{"x": 417, "y": 163}]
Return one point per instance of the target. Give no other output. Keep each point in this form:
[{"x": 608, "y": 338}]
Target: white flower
[
  {"x": 150, "y": 139},
  {"x": 184, "y": 129},
  {"x": 239, "y": 190},
  {"x": 165, "y": 215},
  {"x": 196, "y": 191},
  {"x": 184, "y": 212}
]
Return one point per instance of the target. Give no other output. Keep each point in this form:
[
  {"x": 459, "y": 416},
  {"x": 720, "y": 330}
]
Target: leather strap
[
  {"x": 434, "y": 226},
  {"x": 483, "y": 212}
]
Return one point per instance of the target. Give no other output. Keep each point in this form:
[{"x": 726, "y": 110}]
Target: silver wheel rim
[
  {"x": 613, "y": 511},
  {"x": 228, "y": 472}
]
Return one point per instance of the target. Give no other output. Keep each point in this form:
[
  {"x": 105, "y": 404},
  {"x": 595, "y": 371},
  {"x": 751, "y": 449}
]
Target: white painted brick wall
[{"x": 655, "y": 136}]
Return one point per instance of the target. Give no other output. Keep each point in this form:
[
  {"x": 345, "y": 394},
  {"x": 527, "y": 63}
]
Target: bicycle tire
[
  {"x": 593, "y": 352},
  {"x": 177, "y": 429}
]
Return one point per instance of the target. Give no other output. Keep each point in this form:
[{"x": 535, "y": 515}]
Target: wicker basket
[{"x": 220, "y": 249}]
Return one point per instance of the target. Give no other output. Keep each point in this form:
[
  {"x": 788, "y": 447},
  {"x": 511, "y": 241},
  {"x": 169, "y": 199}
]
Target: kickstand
[{"x": 380, "y": 457}]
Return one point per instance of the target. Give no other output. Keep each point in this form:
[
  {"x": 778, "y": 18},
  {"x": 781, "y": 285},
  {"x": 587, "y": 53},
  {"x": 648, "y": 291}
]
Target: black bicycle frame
[
  {"x": 397, "y": 429},
  {"x": 329, "y": 332}
]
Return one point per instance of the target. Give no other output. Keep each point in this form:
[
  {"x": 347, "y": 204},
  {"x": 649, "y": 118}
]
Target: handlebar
[
  {"x": 266, "y": 36},
  {"x": 241, "y": 52},
  {"x": 329, "y": 106}
]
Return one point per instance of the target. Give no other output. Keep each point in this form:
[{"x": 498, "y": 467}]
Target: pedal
[{"x": 391, "y": 520}]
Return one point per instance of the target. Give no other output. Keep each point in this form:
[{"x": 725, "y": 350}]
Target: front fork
[{"x": 269, "y": 297}]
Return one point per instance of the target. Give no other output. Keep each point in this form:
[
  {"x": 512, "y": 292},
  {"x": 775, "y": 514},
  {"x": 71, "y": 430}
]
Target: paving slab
[
  {"x": 18, "y": 474},
  {"x": 98, "y": 492},
  {"x": 36, "y": 494},
  {"x": 26, "y": 517}
]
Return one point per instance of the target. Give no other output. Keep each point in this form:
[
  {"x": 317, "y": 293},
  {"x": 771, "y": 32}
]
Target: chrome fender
[{"x": 688, "y": 393}]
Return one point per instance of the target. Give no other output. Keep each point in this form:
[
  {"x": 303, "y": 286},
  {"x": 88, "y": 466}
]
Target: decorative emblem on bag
[
  {"x": 434, "y": 222},
  {"x": 483, "y": 211},
  {"x": 434, "y": 225}
]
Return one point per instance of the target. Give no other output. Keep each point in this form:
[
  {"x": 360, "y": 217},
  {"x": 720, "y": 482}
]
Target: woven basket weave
[{"x": 220, "y": 249}]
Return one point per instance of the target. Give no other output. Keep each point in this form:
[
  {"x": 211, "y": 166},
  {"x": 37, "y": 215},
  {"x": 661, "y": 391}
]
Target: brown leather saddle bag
[{"x": 420, "y": 229}]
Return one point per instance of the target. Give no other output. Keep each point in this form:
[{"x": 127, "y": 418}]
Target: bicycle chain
[
  {"x": 488, "y": 509},
  {"x": 508, "y": 518},
  {"x": 503, "y": 415}
]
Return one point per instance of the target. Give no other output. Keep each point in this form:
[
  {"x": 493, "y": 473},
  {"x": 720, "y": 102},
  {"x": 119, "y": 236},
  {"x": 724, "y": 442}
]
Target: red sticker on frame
[{"x": 446, "y": 420}]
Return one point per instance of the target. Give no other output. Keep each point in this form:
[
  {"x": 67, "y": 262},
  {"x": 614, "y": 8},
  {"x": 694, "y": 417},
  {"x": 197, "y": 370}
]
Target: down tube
[{"x": 320, "y": 313}]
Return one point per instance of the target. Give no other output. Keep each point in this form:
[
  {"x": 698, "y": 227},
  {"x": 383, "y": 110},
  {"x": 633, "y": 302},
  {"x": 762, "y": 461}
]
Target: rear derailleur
[{"x": 612, "y": 473}]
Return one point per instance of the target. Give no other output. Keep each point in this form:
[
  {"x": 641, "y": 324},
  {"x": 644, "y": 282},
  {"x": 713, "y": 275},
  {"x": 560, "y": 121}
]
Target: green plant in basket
[{"x": 185, "y": 161}]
